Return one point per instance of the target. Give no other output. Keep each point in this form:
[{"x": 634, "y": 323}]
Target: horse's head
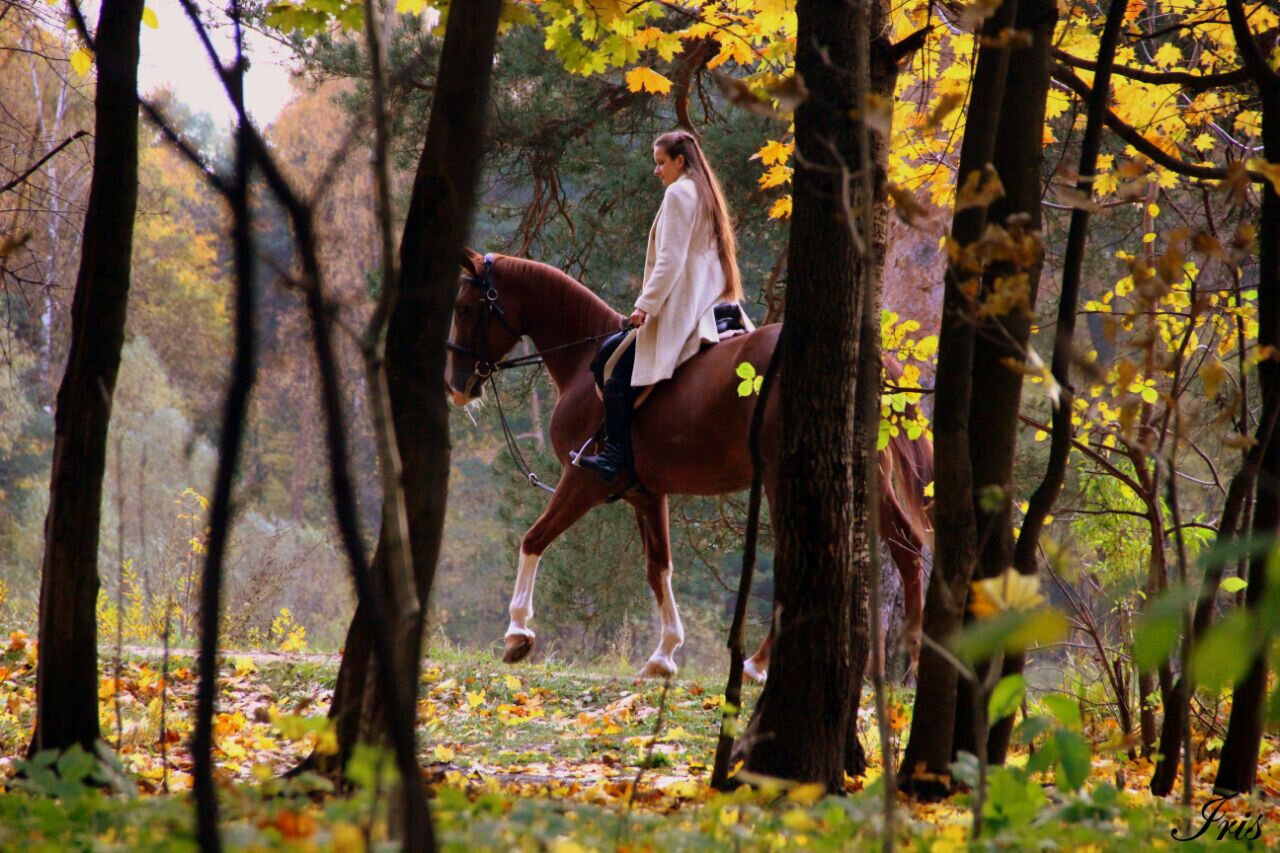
[{"x": 484, "y": 328}]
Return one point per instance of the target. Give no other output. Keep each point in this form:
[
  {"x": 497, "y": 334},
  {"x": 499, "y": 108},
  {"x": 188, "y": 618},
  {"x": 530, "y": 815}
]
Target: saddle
[{"x": 728, "y": 324}]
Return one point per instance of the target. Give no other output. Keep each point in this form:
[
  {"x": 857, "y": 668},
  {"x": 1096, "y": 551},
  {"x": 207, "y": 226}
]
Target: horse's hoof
[
  {"x": 658, "y": 669},
  {"x": 516, "y": 648},
  {"x": 750, "y": 670}
]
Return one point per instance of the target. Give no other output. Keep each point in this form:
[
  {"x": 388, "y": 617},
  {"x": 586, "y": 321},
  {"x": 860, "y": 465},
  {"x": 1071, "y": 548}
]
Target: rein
[{"x": 489, "y": 305}]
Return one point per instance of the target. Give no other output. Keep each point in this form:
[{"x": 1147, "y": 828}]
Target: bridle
[
  {"x": 488, "y": 306},
  {"x": 486, "y": 367}
]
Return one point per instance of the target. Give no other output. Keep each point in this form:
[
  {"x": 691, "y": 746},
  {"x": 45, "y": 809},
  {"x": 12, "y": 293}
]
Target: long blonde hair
[{"x": 678, "y": 143}]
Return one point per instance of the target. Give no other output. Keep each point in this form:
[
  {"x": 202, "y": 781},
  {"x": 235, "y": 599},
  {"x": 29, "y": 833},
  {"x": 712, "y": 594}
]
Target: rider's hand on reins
[{"x": 637, "y": 318}]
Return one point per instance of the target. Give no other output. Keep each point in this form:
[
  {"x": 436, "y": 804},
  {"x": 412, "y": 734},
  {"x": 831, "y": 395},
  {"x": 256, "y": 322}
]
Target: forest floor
[{"x": 540, "y": 757}]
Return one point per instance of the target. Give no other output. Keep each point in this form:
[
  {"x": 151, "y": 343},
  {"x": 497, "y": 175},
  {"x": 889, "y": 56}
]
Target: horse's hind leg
[
  {"x": 651, "y": 515},
  {"x": 756, "y": 667},
  {"x": 906, "y": 548},
  {"x": 567, "y": 505}
]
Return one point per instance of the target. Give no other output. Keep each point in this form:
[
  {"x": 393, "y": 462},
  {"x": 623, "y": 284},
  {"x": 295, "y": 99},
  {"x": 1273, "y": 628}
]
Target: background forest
[
  {"x": 567, "y": 181},
  {"x": 1084, "y": 308}
]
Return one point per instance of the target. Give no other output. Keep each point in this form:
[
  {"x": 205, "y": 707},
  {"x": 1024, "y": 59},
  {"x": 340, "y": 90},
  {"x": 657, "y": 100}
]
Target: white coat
[{"x": 683, "y": 282}]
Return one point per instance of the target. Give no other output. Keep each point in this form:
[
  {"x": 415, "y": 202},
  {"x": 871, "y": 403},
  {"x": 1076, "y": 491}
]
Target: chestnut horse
[{"x": 689, "y": 436}]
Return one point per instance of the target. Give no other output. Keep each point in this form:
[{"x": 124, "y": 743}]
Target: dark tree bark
[
  {"x": 434, "y": 233},
  {"x": 924, "y": 770},
  {"x": 243, "y": 373},
  {"x": 67, "y": 672},
  {"x": 802, "y": 725},
  {"x": 1043, "y": 498},
  {"x": 997, "y": 390},
  {"x": 1238, "y": 767}
]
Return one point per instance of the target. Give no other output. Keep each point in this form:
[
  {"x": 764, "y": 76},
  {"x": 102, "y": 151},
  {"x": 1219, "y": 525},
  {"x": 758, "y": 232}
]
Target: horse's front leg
[
  {"x": 569, "y": 503},
  {"x": 651, "y": 515}
]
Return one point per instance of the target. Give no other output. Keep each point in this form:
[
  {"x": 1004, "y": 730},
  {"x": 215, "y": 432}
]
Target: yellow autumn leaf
[
  {"x": 979, "y": 189},
  {"x": 735, "y": 48},
  {"x": 413, "y": 7},
  {"x": 1009, "y": 591},
  {"x": 475, "y": 699},
  {"x": 807, "y": 794},
  {"x": 149, "y": 18},
  {"x": 798, "y": 819},
  {"x": 1203, "y": 142},
  {"x": 781, "y": 208},
  {"x": 347, "y": 838},
  {"x": 1168, "y": 55},
  {"x": 775, "y": 177},
  {"x": 444, "y": 753},
  {"x": 244, "y": 665},
  {"x": 1270, "y": 171},
  {"x": 643, "y": 79},
  {"x": 686, "y": 789},
  {"x": 327, "y": 741},
  {"x": 773, "y": 152},
  {"x": 511, "y": 681},
  {"x": 82, "y": 61}
]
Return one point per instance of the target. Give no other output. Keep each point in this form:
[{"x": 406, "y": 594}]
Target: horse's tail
[{"x": 910, "y": 469}]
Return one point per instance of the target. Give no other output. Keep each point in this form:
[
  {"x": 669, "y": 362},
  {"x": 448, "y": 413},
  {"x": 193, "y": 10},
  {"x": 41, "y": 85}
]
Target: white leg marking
[
  {"x": 521, "y": 609},
  {"x": 672, "y": 631},
  {"x": 757, "y": 671}
]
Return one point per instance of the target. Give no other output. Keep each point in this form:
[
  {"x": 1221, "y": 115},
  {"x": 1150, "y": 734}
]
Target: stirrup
[
  {"x": 575, "y": 454},
  {"x": 608, "y": 464}
]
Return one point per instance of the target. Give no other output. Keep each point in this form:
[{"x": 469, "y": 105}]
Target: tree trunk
[
  {"x": 925, "y": 765},
  {"x": 997, "y": 390},
  {"x": 1238, "y": 766},
  {"x": 434, "y": 233},
  {"x": 802, "y": 725},
  {"x": 67, "y": 672}
]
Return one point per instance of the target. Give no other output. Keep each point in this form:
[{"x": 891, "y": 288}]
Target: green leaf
[
  {"x": 1045, "y": 756},
  {"x": 746, "y": 370},
  {"x": 1006, "y": 697},
  {"x": 1073, "y": 759},
  {"x": 1012, "y": 799},
  {"x": 744, "y": 388},
  {"x": 965, "y": 769},
  {"x": 75, "y": 764},
  {"x": 1156, "y": 633},
  {"x": 1012, "y": 630},
  {"x": 1031, "y": 728},
  {"x": 1233, "y": 584},
  {"x": 1222, "y": 656},
  {"x": 1064, "y": 709}
]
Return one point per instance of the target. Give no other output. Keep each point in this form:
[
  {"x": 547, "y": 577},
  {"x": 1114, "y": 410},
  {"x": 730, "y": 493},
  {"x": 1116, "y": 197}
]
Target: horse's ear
[{"x": 472, "y": 261}]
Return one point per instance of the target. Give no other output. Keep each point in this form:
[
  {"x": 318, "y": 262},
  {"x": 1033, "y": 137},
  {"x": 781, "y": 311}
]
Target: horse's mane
[{"x": 572, "y": 291}]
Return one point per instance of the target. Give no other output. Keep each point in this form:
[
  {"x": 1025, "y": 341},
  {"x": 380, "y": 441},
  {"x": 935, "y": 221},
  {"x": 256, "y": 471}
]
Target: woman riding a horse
[
  {"x": 691, "y": 265},
  {"x": 690, "y": 436}
]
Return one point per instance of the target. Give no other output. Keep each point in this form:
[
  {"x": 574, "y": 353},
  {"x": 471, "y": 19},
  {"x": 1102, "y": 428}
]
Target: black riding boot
[{"x": 615, "y": 454}]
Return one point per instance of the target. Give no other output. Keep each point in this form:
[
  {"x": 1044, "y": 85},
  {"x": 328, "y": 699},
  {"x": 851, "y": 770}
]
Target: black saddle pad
[{"x": 729, "y": 317}]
